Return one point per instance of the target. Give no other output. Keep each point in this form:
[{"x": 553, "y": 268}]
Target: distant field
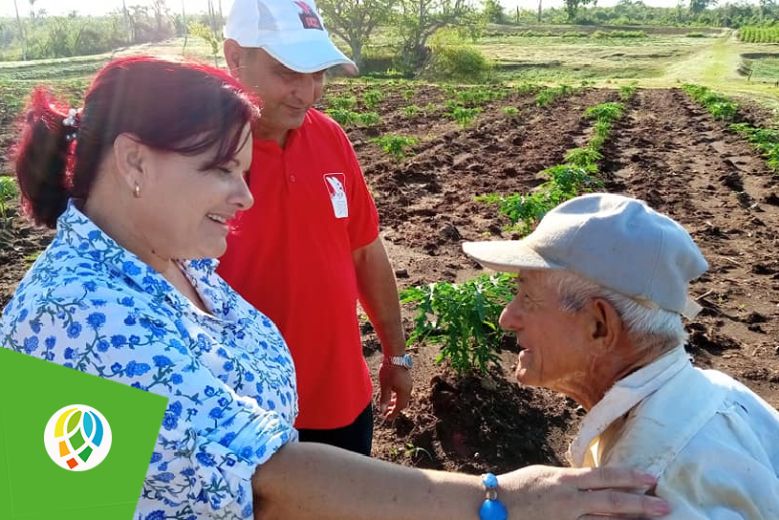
[
  {"x": 69, "y": 77},
  {"x": 573, "y": 58}
]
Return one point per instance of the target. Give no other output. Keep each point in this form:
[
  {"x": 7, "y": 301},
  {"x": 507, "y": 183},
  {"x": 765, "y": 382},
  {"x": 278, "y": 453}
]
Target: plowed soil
[{"x": 665, "y": 150}]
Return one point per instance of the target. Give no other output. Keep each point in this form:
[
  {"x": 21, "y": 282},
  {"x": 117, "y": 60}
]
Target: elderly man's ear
[{"x": 605, "y": 327}]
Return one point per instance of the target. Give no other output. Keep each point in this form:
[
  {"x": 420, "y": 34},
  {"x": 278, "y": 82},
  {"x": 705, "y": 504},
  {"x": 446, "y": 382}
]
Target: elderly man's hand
[
  {"x": 543, "y": 493},
  {"x": 395, "y": 384}
]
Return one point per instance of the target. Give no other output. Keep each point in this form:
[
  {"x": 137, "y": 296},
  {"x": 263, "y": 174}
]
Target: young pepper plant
[{"x": 463, "y": 318}]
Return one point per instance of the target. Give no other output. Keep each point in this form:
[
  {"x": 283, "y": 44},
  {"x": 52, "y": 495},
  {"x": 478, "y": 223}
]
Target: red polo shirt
[{"x": 291, "y": 257}]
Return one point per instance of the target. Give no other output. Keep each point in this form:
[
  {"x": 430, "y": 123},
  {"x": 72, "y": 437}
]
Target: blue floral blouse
[{"x": 89, "y": 304}]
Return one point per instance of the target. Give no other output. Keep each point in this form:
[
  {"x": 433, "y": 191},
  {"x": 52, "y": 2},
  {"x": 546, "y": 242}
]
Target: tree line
[
  {"x": 410, "y": 24},
  {"x": 41, "y": 35}
]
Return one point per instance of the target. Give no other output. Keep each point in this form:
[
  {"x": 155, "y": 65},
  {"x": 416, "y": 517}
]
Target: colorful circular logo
[{"x": 77, "y": 437}]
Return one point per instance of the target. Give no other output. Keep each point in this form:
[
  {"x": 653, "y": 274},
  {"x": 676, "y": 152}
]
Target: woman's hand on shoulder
[{"x": 542, "y": 492}]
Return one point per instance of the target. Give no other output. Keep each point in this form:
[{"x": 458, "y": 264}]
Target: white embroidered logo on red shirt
[{"x": 335, "y": 187}]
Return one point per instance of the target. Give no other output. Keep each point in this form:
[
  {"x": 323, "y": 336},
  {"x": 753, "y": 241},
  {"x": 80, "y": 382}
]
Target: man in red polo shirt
[{"x": 309, "y": 248}]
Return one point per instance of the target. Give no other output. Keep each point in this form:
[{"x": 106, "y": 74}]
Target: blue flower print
[
  {"x": 206, "y": 459},
  {"x": 162, "y": 361},
  {"x": 136, "y": 369},
  {"x": 131, "y": 268},
  {"x": 74, "y": 330},
  {"x": 92, "y": 306}
]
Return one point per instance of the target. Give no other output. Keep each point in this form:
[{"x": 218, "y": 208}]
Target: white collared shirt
[{"x": 712, "y": 443}]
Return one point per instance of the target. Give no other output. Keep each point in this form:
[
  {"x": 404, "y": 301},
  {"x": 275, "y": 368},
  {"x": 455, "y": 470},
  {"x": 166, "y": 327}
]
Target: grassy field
[
  {"x": 595, "y": 56},
  {"x": 659, "y": 57},
  {"x": 647, "y": 56}
]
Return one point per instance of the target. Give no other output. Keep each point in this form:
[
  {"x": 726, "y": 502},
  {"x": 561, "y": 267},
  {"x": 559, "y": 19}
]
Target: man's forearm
[{"x": 379, "y": 296}]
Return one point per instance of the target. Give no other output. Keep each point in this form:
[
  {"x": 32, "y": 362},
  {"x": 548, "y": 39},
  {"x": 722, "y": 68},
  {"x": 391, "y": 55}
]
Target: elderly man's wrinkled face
[{"x": 556, "y": 345}]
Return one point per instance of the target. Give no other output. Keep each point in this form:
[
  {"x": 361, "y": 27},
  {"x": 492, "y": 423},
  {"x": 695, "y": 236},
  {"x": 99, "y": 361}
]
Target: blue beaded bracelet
[{"x": 492, "y": 508}]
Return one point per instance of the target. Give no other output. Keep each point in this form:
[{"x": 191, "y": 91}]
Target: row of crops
[
  {"x": 764, "y": 140},
  {"x": 759, "y": 34},
  {"x": 462, "y": 317}
]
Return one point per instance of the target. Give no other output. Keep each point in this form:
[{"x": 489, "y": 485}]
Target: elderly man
[{"x": 602, "y": 288}]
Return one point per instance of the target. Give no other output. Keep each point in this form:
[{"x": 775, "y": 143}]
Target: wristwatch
[{"x": 404, "y": 361}]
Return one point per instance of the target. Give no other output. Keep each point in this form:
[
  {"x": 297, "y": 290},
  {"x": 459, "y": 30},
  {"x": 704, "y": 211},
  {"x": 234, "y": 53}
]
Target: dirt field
[{"x": 666, "y": 150}]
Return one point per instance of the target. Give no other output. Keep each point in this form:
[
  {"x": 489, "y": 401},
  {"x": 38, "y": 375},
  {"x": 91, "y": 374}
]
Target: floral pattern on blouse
[{"x": 89, "y": 304}]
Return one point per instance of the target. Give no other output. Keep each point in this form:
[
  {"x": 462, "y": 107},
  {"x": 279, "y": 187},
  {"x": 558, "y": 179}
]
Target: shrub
[
  {"x": 511, "y": 111},
  {"x": 458, "y": 62}
]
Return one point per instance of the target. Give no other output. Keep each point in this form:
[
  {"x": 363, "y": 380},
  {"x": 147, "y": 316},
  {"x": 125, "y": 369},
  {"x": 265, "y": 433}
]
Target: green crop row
[
  {"x": 462, "y": 317},
  {"x": 717, "y": 105},
  {"x": 757, "y": 34},
  {"x": 764, "y": 140}
]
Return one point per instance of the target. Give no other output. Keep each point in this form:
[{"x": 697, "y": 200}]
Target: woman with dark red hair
[{"x": 142, "y": 185}]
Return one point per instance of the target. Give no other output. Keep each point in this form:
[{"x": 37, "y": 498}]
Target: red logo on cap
[{"x": 308, "y": 16}]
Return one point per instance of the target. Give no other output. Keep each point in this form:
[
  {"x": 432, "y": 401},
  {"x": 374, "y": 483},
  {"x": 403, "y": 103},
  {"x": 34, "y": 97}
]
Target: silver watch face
[{"x": 404, "y": 361}]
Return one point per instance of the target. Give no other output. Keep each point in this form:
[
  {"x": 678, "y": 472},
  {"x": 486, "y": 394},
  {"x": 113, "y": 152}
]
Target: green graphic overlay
[{"x": 32, "y": 485}]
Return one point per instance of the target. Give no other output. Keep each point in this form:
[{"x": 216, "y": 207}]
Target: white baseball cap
[
  {"x": 291, "y": 31},
  {"x": 618, "y": 242}
]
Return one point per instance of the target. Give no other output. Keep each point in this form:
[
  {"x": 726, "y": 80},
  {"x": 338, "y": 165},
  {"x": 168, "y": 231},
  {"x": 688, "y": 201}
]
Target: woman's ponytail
[{"x": 43, "y": 158}]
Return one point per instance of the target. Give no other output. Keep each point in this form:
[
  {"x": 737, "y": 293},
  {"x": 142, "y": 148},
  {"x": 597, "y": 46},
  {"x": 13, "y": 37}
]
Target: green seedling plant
[
  {"x": 765, "y": 140},
  {"x": 343, "y": 116},
  {"x": 462, "y": 318},
  {"x": 549, "y": 95},
  {"x": 342, "y": 102},
  {"x": 601, "y": 132},
  {"x": 525, "y": 210},
  {"x": 626, "y": 92},
  {"x": 395, "y": 145},
  {"x": 368, "y": 119},
  {"x": 585, "y": 158},
  {"x": 412, "y": 111},
  {"x": 349, "y": 118},
  {"x": 719, "y": 106},
  {"x": 608, "y": 112},
  {"x": 372, "y": 98},
  {"x": 464, "y": 116},
  {"x": 8, "y": 192},
  {"x": 510, "y": 111}
]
